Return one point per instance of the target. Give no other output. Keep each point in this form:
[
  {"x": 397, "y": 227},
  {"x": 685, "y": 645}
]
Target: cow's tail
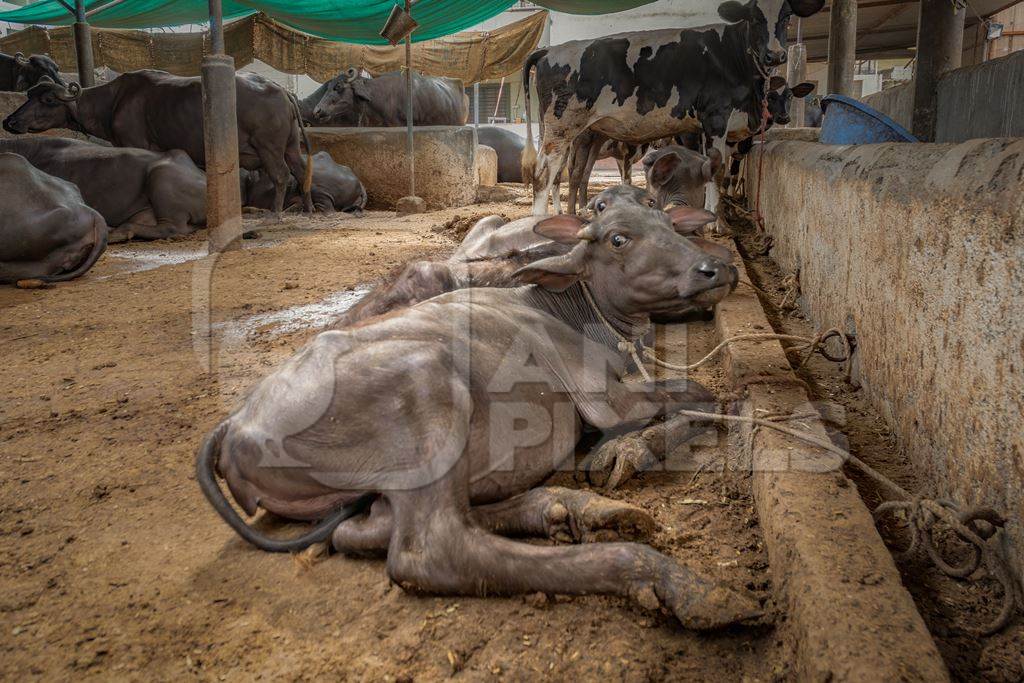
[
  {"x": 529, "y": 160},
  {"x": 100, "y": 231},
  {"x": 307, "y": 180},
  {"x": 206, "y": 475}
]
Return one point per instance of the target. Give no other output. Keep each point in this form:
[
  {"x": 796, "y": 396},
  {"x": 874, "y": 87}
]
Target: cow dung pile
[{"x": 457, "y": 226}]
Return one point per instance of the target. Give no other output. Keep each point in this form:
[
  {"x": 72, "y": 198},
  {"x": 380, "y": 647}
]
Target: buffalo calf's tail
[{"x": 206, "y": 475}]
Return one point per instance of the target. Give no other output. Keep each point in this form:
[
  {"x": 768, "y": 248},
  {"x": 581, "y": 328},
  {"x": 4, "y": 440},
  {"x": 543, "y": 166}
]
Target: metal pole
[
  {"x": 476, "y": 105},
  {"x": 83, "y": 47},
  {"x": 216, "y": 28},
  {"x": 410, "y": 147},
  {"x": 220, "y": 135},
  {"x": 796, "y": 72},
  {"x": 940, "y": 41},
  {"x": 842, "y": 47}
]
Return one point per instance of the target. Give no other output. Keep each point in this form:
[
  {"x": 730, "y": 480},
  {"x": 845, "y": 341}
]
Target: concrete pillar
[
  {"x": 842, "y": 46},
  {"x": 796, "y": 72},
  {"x": 220, "y": 134},
  {"x": 83, "y": 47},
  {"x": 940, "y": 42}
]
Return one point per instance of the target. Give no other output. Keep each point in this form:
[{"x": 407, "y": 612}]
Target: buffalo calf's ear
[
  {"x": 664, "y": 167},
  {"x": 733, "y": 12},
  {"x": 803, "y": 90},
  {"x": 360, "y": 90},
  {"x": 555, "y": 273},
  {"x": 562, "y": 228},
  {"x": 687, "y": 219},
  {"x": 776, "y": 83}
]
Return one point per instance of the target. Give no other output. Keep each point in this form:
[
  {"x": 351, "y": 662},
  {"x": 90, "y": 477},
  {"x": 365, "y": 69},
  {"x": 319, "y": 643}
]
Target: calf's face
[
  {"x": 48, "y": 106},
  {"x": 346, "y": 96},
  {"x": 677, "y": 175},
  {"x": 780, "y": 98},
  {"x": 634, "y": 261}
]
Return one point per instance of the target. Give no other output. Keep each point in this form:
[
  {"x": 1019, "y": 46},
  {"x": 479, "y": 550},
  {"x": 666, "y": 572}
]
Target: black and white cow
[{"x": 636, "y": 87}]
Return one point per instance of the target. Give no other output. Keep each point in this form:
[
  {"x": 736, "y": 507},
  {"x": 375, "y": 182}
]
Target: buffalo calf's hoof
[{"x": 698, "y": 603}]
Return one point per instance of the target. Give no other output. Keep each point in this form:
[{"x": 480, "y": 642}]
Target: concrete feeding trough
[{"x": 446, "y": 169}]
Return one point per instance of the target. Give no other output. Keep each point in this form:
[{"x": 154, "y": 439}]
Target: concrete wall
[
  {"x": 982, "y": 101},
  {"x": 919, "y": 249},
  {"x": 897, "y": 103},
  {"x": 446, "y": 173}
]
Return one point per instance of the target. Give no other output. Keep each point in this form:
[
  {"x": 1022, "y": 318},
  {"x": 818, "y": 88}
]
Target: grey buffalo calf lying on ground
[
  {"x": 443, "y": 418},
  {"x": 18, "y": 72},
  {"x": 46, "y": 230},
  {"x": 149, "y": 195},
  {"x": 335, "y": 188},
  {"x": 493, "y": 250},
  {"x": 159, "y": 111},
  {"x": 354, "y": 99}
]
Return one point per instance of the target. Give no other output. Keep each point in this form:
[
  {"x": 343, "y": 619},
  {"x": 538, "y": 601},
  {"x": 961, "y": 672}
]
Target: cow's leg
[
  {"x": 625, "y": 161},
  {"x": 567, "y": 515},
  {"x": 712, "y": 198},
  {"x": 436, "y": 548},
  {"x": 595, "y": 152},
  {"x": 550, "y": 163},
  {"x": 577, "y": 161}
]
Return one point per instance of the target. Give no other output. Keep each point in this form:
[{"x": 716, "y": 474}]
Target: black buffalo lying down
[
  {"x": 18, "y": 72},
  {"x": 150, "y": 195},
  {"x": 46, "y": 230},
  {"x": 352, "y": 99},
  {"x": 335, "y": 188},
  {"x": 159, "y": 111}
]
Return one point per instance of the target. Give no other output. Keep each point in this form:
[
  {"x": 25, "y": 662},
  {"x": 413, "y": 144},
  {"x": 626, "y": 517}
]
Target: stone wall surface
[
  {"x": 446, "y": 171},
  {"x": 919, "y": 250}
]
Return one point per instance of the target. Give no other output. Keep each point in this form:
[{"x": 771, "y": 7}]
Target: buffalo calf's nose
[{"x": 709, "y": 269}]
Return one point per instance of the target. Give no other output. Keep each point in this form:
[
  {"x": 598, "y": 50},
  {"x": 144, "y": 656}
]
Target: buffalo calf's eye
[
  {"x": 618, "y": 240},
  {"x": 600, "y": 206}
]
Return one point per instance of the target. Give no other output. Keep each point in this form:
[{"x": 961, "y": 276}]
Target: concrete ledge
[
  {"x": 852, "y": 617},
  {"x": 446, "y": 173}
]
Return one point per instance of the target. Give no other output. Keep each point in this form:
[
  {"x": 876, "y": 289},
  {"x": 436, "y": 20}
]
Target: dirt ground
[
  {"x": 951, "y": 608},
  {"x": 112, "y": 565}
]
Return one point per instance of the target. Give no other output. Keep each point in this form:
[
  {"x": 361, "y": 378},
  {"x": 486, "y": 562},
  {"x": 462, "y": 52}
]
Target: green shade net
[{"x": 350, "y": 21}]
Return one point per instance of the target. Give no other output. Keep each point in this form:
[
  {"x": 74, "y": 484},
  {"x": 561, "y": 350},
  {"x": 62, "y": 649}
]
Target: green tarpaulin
[{"x": 350, "y": 21}]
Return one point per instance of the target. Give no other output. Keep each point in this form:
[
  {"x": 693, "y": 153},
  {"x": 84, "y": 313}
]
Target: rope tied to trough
[{"x": 976, "y": 526}]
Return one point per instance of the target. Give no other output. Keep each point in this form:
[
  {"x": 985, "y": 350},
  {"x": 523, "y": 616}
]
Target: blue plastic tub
[{"x": 849, "y": 122}]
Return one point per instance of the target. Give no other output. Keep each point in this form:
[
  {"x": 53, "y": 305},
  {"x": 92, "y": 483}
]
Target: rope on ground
[{"x": 975, "y": 526}]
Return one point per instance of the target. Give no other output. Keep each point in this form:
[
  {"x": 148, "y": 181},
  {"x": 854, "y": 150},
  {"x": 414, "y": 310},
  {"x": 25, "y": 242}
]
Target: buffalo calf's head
[
  {"x": 30, "y": 70},
  {"x": 677, "y": 175},
  {"x": 49, "y": 105},
  {"x": 346, "y": 97},
  {"x": 634, "y": 260}
]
